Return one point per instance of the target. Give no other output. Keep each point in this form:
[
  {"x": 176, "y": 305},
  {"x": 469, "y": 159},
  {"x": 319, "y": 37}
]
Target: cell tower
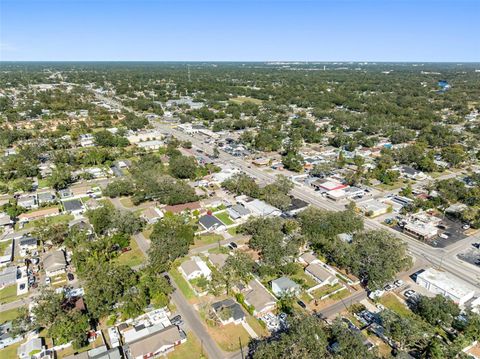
[{"x": 188, "y": 71}]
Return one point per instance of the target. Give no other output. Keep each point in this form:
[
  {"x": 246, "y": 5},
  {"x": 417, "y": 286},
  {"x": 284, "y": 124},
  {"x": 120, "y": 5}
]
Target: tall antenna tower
[{"x": 188, "y": 71}]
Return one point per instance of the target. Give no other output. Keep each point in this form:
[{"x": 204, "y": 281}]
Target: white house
[
  {"x": 195, "y": 268},
  {"x": 285, "y": 286},
  {"x": 321, "y": 274}
]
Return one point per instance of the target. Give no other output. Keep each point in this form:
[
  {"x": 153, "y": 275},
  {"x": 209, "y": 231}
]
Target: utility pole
[{"x": 241, "y": 348}]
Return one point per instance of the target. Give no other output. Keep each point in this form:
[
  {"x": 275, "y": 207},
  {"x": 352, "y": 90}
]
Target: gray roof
[
  {"x": 46, "y": 197},
  {"x": 4, "y": 219},
  {"x": 258, "y": 296},
  {"x": 236, "y": 309},
  {"x": 73, "y": 205},
  {"x": 28, "y": 241},
  {"x": 285, "y": 283},
  {"x": 8, "y": 276},
  {"x": 239, "y": 210},
  {"x": 189, "y": 267},
  {"x": 54, "y": 261},
  {"x": 30, "y": 346},
  {"x": 318, "y": 272},
  {"x": 218, "y": 260},
  {"x": 210, "y": 221}
]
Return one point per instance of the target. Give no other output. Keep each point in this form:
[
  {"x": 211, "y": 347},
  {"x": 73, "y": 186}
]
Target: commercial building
[{"x": 443, "y": 283}]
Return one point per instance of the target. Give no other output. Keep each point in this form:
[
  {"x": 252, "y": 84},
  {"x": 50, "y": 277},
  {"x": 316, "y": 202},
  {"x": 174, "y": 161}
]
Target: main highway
[{"x": 444, "y": 258}]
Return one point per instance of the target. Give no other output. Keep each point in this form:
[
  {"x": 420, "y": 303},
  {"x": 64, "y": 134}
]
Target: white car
[
  {"x": 48, "y": 281},
  {"x": 443, "y": 235},
  {"x": 398, "y": 283}
]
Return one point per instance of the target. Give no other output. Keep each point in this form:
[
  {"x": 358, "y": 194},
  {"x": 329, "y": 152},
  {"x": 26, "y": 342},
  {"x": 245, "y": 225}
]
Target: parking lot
[{"x": 471, "y": 255}]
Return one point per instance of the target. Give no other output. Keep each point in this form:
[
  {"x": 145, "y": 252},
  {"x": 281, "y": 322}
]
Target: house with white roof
[{"x": 195, "y": 268}]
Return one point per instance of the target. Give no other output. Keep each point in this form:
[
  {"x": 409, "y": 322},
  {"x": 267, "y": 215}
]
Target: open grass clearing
[
  {"x": 182, "y": 284},
  {"x": 132, "y": 258},
  {"x": 227, "y": 336},
  {"x": 192, "y": 348},
  {"x": 225, "y": 218}
]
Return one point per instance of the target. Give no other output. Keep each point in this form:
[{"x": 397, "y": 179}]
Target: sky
[{"x": 240, "y": 30}]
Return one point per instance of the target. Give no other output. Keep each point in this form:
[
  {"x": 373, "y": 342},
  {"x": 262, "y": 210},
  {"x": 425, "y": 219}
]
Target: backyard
[
  {"x": 132, "y": 258},
  {"x": 185, "y": 350},
  {"x": 225, "y": 218}
]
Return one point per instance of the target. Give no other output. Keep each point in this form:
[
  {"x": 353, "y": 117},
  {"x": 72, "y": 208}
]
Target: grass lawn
[
  {"x": 132, "y": 258},
  {"x": 10, "y": 351},
  {"x": 42, "y": 183},
  {"x": 8, "y": 294},
  {"x": 8, "y": 315},
  {"x": 227, "y": 336},
  {"x": 240, "y": 100},
  {"x": 127, "y": 202},
  {"x": 327, "y": 289},
  {"x": 182, "y": 283},
  {"x": 257, "y": 326},
  {"x": 147, "y": 232},
  {"x": 55, "y": 219},
  {"x": 4, "y": 245},
  {"x": 225, "y": 218},
  {"x": 206, "y": 239},
  {"x": 390, "y": 301},
  {"x": 188, "y": 349},
  {"x": 395, "y": 185},
  {"x": 303, "y": 279},
  {"x": 233, "y": 231}
]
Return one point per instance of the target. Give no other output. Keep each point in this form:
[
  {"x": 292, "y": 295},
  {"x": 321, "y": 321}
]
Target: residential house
[
  {"x": 321, "y": 274},
  {"x": 54, "y": 263},
  {"x": 73, "y": 206},
  {"x": 6, "y": 337},
  {"x": 150, "y": 145},
  {"x": 28, "y": 244},
  {"x": 218, "y": 259},
  {"x": 46, "y": 197},
  {"x": 285, "y": 286},
  {"x": 308, "y": 258},
  {"x": 152, "y": 215},
  {"x": 259, "y": 207},
  {"x": 92, "y": 203},
  {"x": 179, "y": 208},
  {"x": 8, "y": 277},
  {"x": 28, "y": 201},
  {"x": 228, "y": 311},
  {"x": 259, "y": 298},
  {"x": 41, "y": 213},
  {"x": 157, "y": 343},
  {"x": 238, "y": 211},
  {"x": 211, "y": 223},
  {"x": 297, "y": 205},
  {"x": 195, "y": 268},
  {"x": 412, "y": 173},
  {"x": 34, "y": 345},
  {"x": 87, "y": 140},
  {"x": 5, "y": 220}
]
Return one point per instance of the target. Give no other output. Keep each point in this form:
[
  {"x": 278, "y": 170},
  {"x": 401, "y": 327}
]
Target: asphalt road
[
  {"x": 443, "y": 258},
  {"x": 335, "y": 308},
  {"x": 194, "y": 322}
]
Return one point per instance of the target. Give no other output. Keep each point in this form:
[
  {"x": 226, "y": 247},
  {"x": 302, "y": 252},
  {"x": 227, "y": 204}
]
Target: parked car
[
  {"x": 233, "y": 245},
  {"x": 302, "y": 304},
  {"x": 48, "y": 281},
  {"x": 476, "y": 245},
  {"x": 388, "y": 287},
  {"x": 70, "y": 276},
  {"x": 398, "y": 283},
  {"x": 443, "y": 235},
  {"x": 409, "y": 293},
  {"x": 466, "y": 226},
  {"x": 177, "y": 320}
]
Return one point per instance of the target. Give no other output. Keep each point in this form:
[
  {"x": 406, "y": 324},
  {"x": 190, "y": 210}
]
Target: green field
[
  {"x": 8, "y": 315},
  {"x": 182, "y": 283},
  {"x": 65, "y": 218},
  {"x": 225, "y": 218},
  {"x": 132, "y": 258}
]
